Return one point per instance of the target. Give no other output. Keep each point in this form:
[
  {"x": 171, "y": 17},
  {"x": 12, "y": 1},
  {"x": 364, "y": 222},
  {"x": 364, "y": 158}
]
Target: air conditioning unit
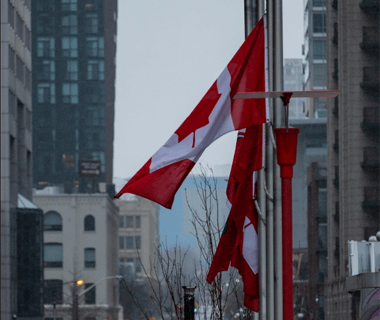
[
  {"x": 374, "y": 256},
  {"x": 358, "y": 257}
]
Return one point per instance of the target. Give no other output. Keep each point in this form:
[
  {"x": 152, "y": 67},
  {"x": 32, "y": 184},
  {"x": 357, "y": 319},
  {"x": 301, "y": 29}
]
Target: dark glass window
[
  {"x": 94, "y": 116},
  {"x": 46, "y": 70},
  {"x": 94, "y": 93},
  {"x": 11, "y": 14},
  {"x": 70, "y": 24},
  {"x": 89, "y": 223},
  {"x": 138, "y": 242},
  {"x": 129, "y": 241},
  {"x": 12, "y": 59},
  {"x": 70, "y": 47},
  {"x": 19, "y": 26},
  {"x": 89, "y": 258},
  {"x": 319, "y": 75},
  {"x": 91, "y": 23},
  {"x": 52, "y": 221},
  {"x": 121, "y": 221},
  {"x": 53, "y": 291},
  {"x": 43, "y": 5},
  {"x": 71, "y": 72},
  {"x": 137, "y": 222},
  {"x": 69, "y": 5},
  {"x": 95, "y": 46},
  {"x": 28, "y": 38},
  {"x": 95, "y": 70},
  {"x": 319, "y": 49},
  {"x": 137, "y": 265},
  {"x": 46, "y": 93},
  {"x": 20, "y": 69},
  {"x": 45, "y": 47},
  {"x": 319, "y": 22},
  {"x": 70, "y": 93},
  {"x": 53, "y": 255},
  {"x": 90, "y": 295},
  {"x": 129, "y": 220},
  {"x": 44, "y": 23},
  {"x": 319, "y": 3},
  {"x": 121, "y": 242}
]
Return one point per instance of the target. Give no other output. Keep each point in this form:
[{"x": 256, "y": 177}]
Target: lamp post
[{"x": 77, "y": 295}]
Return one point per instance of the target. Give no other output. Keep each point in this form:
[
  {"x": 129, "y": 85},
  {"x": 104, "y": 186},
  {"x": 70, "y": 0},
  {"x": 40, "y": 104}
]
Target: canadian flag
[
  {"x": 215, "y": 115},
  {"x": 238, "y": 244}
]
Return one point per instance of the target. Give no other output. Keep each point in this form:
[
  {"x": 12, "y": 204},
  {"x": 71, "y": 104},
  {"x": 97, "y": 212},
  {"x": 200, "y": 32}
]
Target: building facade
[
  {"x": 80, "y": 243},
  {"x": 294, "y": 80},
  {"x": 314, "y": 51},
  {"x": 353, "y": 141},
  {"x": 138, "y": 236},
  {"x": 16, "y": 148},
  {"x": 74, "y": 47}
]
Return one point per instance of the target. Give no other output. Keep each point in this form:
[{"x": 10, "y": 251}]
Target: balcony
[
  {"x": 370, "y": 6},
  {"x": 370, "y": 42},
  {"x": 371, "y": 160},
  {"x": 371, "y": 200},
  {"x": 370, "y": 82},
  {"x": 370, "y": 122}
]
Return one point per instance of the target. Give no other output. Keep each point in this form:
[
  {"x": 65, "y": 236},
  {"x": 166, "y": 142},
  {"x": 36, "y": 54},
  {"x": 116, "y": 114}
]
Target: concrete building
[
  {"x": 74, "y": 47},
  {"x": 315, "y": 55},
  {"x": 21, "y": 293},
  {"x": 80, "y": 242},
  {"x": 353, "y": 141},
  {"x": 294, "y": 80},
  {"x": 138, "y": 236}
]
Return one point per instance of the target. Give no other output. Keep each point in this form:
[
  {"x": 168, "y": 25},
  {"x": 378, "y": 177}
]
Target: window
[
  {"x": 319, "y": 22},
  {"x": 71, "y": 72},
  {"x": 69, "y": 5},
  {"x": 90, "y": 4},
  {"x": 319, "y": 75},
  {"x": 11, "y": 57},
  {"x": 89, "y": 223},
  {"x": 319, "y": 49},
  {"x": 91, "y": 23},
  {"x": 52, "y": 221},
  {"x": 19, "y": 26},
  {"x": 53, "y": 255},
  {"x": 28, "y": 38},
  {"x": 94, "y": 93},
  {"x": 44, "y": 23},
  {"x": 70, "y": 47},
  {"x": 137, "y": 222},
  {"x": 70, "y": 93},
  {"x": 121, "y": 242},
  {"x": 95, "y": 70},
  {"x": 45, "y": 47},
  {"x": 46, "y": 70},
  {"x": 137, "y": 265},
  {"x": 11, "y": 14},
  {"x": 46, "y": 93},
  {"x": 129, "y": 241},
  {"x": 70, "y": 24},
  {"x": 43, "y": 5},
  {"x": 137, "y": 242},
  {"x": 20, "y": 69},
  {"x": 121, "y": 221},
  {"x": 319, "y": 3},
  {"x": 90, "y": 295},
  {"x": 129, "y": 220},
  {"x": 53, "y": 291},
  {"x": 95, "y": 46},
  {"x": 28, "y": 79},
  {"x": 89, "y": 257}
]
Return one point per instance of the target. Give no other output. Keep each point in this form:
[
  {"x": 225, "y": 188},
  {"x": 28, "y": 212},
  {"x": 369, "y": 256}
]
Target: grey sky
[{"x": 169, "y": 53}]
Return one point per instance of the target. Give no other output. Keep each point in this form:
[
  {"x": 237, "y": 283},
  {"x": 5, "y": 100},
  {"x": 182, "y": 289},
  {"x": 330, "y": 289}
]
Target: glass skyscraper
[{"x": 73, "y": 57}]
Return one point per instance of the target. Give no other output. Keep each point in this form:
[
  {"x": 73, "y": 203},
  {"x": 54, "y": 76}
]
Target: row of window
[
  {"x": 53, "y": 256},
  {"x": 47, "y": 71},
  {"x": 69, "y": 23},
  {"x": 130, "y": 242},
  {"x": 46, "y": 47},
  {"x": 53, "y": 292},
  {"x": 18, "y": 67},
  {"x": 70, "y": 93},
  {"x": 53, "y": 222},
  {"x": 24, "y": 115},
  {"x": 130, "y": 222},
  {"x": 18, "y": 25},
  {"x": 65, "y": 5}
]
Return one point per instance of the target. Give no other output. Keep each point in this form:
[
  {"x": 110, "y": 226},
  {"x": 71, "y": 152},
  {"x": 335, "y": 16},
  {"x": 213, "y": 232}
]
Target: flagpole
[
  {"x": 253, "y": 9},
  {"x": 276, "y": 9}
]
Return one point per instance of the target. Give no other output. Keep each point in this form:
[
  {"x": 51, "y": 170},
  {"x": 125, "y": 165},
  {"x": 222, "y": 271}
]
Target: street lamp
[{"x": 77, "y": 295}]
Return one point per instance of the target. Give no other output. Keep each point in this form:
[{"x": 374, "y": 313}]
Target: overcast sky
[{"x": 169, "y": 53}]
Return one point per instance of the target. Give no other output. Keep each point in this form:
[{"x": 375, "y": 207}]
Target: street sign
[{"x": 89, "y": 168}]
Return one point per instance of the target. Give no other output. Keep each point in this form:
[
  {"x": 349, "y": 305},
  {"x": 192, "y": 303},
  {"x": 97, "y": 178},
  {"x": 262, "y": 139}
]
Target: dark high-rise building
[
  {"x": 73, "y": 54},
  {"x": 353, "y": 143}
]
